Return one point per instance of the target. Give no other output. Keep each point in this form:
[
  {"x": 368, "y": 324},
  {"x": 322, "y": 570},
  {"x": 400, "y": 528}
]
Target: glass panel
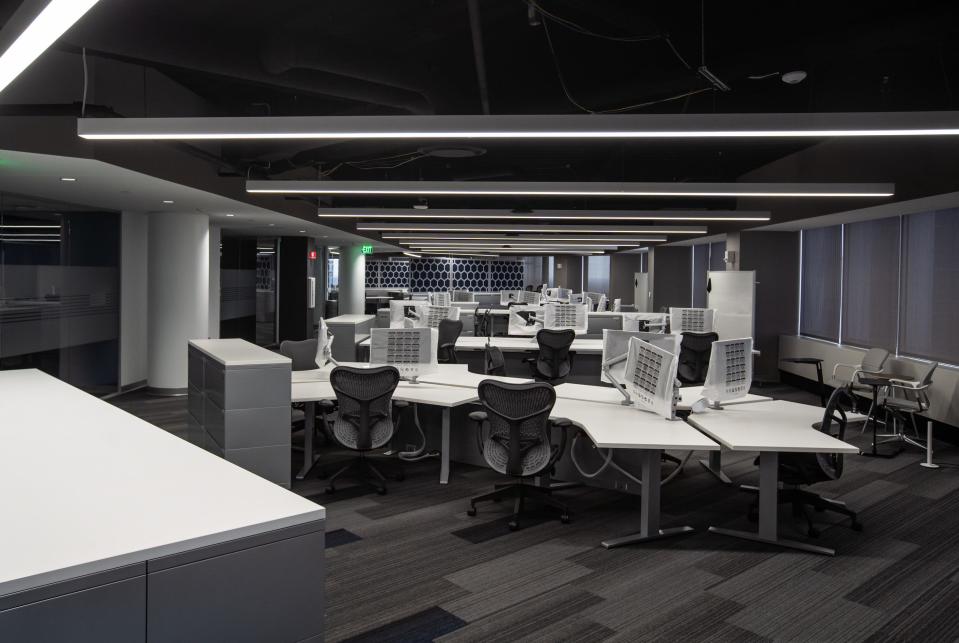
[
  {"x": 717, "y": 254},
  {"x": 871, "y": 283},
  {"x": 597, "y": 276},
  {"x": 821, "y": 282},
  {"x": 930, "y": 286}
]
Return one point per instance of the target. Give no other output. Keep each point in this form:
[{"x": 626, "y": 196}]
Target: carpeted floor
[{"x": 412, "y": 566}]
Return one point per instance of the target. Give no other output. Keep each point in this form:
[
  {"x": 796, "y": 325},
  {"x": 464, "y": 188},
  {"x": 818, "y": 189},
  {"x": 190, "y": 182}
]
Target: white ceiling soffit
[
  {"x": 96, "y": 184},
  {"x": 552, "y": 126},
  {"x": 573, "y": 216},
  {"x": 570, "y": 189}
]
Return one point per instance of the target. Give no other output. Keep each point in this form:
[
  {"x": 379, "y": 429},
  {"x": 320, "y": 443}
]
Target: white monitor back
[
  {"x": 691, "y": 320},
  {"x": 440, "y": 298},
  {"x": 732, "y": 293},
  {"x": 523, "y": 320},
  {"x": 528, "y": 297},
  {"x": 558, "y": 294},
  {"x": 616, "y": 344},
  {"x": 650, "y": 377},
  {"x": 430, "y": 315},
  {"x": 508, "y": 296},
  {"x": 463, "y": 296},
  {"x": 645, "y": 322},
  {"x": 400, "y": 310},
  {"x": 558, "y": 316},
  {"x": 730, "y": 373},
  {"x": 617, "y": 305},
  {"x": 603, "y": 304},
  {"x": 411, "y": 350},
  {"x": 324, "y": 344}
]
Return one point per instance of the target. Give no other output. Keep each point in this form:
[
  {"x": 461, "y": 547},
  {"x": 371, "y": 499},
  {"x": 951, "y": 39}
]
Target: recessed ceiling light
[
  {"x": 168, "y": 202},
  {"x": 231, "y": 215},
  {"x": 302, "y": 230},
  {"x": 272, "y": 225},
  {"x": 67, "y": 179}
]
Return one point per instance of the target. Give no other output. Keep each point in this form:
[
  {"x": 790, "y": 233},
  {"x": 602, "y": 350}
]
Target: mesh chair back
[
  {"x": 364, "y": 420},
  {"x": 874, "y": 360},
  {"x": 519, "y": 441},
  {"x": 553, "y": 361},
  {"x": 694, "y": 357},
  {"x": 448, "y": 332},
  {"x": 809, "y": 468},
  {"x": 925, "y": 375},
  {"x": 302, "y": 353}
]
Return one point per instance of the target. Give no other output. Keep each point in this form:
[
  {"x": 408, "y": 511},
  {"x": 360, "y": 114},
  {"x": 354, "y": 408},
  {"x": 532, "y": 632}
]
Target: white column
[
  {"x": 214, "y": 289},
  {"x": 133, "y": 299},
  {"x": 178, "y": 293},
  {"x": 352, "y": 291}
]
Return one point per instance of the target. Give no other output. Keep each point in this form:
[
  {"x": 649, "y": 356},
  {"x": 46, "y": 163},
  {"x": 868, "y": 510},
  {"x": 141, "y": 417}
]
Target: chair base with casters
[
  {"x": 802, "y": 501},
  {"x": 519, "y": 493},
  {"x": 366, "y": 473}
]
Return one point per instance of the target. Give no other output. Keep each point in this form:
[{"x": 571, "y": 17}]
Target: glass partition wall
[{"x": 59, "y": 291}]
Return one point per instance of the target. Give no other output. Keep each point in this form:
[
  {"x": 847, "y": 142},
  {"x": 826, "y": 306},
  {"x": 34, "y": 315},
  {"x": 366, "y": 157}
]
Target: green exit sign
[{"x": 367, "y": 249}]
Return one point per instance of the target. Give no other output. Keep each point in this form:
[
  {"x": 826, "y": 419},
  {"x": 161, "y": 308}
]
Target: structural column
[
  {"x": 352, "y": 290},
  {"x": 178, "y": 294}
]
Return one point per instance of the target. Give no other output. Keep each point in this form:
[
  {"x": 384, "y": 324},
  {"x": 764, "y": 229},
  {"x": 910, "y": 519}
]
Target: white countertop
[
  {"x": 770, "y": 426},
  {"x": 623, "y": 427},
  {"x": 609, "y": 395},
  {"x": 350, "y": 319},
  {"x": 239, "y": 352},
  {"x": 421, "y": 393},
  {"x": 88, "y": 487},
  {"x": 513, "y": 344}
]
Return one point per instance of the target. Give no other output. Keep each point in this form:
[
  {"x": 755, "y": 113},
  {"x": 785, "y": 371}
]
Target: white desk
[
  {"x": 770, "y": 428},
  {"x": 519, "y": 344},
  {"x": 614, "y": 426},
  {"x": 123, "y": 491},
  {"x": 445, "y": 397},
  {"x": 607, "y": 394}
]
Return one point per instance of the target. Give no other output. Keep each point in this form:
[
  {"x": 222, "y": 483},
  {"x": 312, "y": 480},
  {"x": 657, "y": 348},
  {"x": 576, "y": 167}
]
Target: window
[
  {"x": 930, "y": 286},
  {"x": 597, "y": 275},
  {"x": 870, "y": 286},
  {"x": 821, "y": 283},
  {"x": 700, "y": 268}
]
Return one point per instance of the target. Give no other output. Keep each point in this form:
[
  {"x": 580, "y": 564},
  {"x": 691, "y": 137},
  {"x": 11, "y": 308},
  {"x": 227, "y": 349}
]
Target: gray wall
[
  {"x": 622, "y": 268},
  {"x": 775, "y": 258},
  {"x": 569, "y": 272},
  {"x": 671, "y": 275},
  {"x": 133, "y": 298}
]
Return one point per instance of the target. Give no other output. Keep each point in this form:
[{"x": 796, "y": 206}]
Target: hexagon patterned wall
[{"x": 440, "y": 274}]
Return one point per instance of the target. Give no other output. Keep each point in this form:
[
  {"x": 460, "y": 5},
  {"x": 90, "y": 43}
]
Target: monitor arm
[{"x": 627, "y": 401}]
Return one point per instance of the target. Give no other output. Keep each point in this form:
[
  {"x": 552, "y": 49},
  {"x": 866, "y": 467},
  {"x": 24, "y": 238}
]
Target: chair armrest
[
  {"x": 562, "y": 423},
  {"x": 530, "y": 360},
  {"x": 478, "y": 416},
  {"x": 853, "y": 367},
  {"x": 911, "y": 385},
  {"x": 448, "y": 345}
]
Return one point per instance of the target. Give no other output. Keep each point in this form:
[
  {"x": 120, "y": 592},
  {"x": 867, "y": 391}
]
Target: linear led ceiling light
[
  {"x": 570, "y": 216},
  {"x": 548, "y": 126},
  {"x": 520, "y": 239},
  {"x": 48, "y": 25},
  {"x": 568, "y": 189},
  {"x": 383, "y": 226}
]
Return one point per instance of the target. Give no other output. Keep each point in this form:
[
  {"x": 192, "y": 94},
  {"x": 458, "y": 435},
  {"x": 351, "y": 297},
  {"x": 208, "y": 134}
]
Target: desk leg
[
  {"x": 649, "y": 512},
  {"x": 445, "y": 448},
  {"x": 929, "y": 464},
  {"x": 769, "y": 511},
  {"x": 309, "y": 426},
  {"x": 714, "y": 465}
]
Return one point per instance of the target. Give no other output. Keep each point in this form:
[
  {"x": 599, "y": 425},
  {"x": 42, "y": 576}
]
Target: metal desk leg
[
  {"x": 649, "y": 511},
  {"x": 929, "y": 464},
  {"x": 769, "y": 511},
  {"x": 714, "y": 465},
  {"x": 822, "y": 385},
  {"x": 445, "y": 448},
  {"x": 309, "y": 425}
]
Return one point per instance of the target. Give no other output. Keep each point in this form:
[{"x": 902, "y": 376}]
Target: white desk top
[
  {"x": 693, "y": 393},
  {"x": 88, "y": 487},
  {"x": 508, "y": 344},
  {"x": 622, "y": 427},
  {"x": 350, "y": 319},
  {"x": 770, "y": 426},
  {"x": 239, "y": 352},
  {"x": 609, "y": 395},
  {"x": 422, "y": 393}
]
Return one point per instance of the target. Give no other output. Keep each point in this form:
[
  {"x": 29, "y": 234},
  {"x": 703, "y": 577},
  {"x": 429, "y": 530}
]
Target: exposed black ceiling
[{"x": 300, "y": 57}]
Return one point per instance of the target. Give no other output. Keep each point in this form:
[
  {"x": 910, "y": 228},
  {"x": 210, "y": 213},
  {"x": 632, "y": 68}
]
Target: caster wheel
[
  {"x": 513, "y": 526},
  {"x": 471, "y": 511},
  {"x": 856, "y": 526},
  {"x": 564, "y": 519},
  {"x": 331, "y": 490},
  {"x": 813, "y": 533},
  {"x": 381, "y": 491}
]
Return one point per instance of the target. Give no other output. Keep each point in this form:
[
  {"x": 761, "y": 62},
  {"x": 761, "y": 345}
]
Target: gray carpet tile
[{"x": 411, "y": 565}]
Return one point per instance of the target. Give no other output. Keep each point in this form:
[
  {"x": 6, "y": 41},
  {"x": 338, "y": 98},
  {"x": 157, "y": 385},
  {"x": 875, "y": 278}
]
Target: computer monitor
[
  {"x": 616, "y": 347},
  {"x": 462, "y": 296},
  {"x": 557, "y": 316},
  {"x": 525, "y": 320},
  {"x": 650, "y": 378},
  {"x": 603, "y": 304},
  {"x": 430, "y": 315},
  {"x": 528, "y": 297},
  {"x": 400, "y": 310},
  {"x": 440, "y": 298},
  {"x": 730, "y": 373},
  {"x": 691, "y": 320},
  {"x": 594, "y": 297},
  {"x": 506, "y": 297},
  {"x": 645, "y": 322},
  {"x": 558, "y": 294},
  {"x": 617, "y": 305},
  {"x": 324, "y": 345},
  {"x": 411, "y": 350}
]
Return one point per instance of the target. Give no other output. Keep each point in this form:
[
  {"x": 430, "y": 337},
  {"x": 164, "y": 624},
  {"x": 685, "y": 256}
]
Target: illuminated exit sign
[{"x": 367, "y": 249}]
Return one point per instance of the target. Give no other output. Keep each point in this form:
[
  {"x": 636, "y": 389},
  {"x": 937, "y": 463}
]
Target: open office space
[{"x": 525, "y": 320}]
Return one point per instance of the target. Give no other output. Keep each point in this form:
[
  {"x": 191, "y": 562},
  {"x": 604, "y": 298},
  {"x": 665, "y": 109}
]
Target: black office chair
[
  {"x": 364, "y": 421},
  {"x": 515, "y": 437},
  {"x": 799, "y": 469},
  {"x": 554, "y": 361},
  {"x": 694, "y": 357},
  {"x": 448, "y": 332}
]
